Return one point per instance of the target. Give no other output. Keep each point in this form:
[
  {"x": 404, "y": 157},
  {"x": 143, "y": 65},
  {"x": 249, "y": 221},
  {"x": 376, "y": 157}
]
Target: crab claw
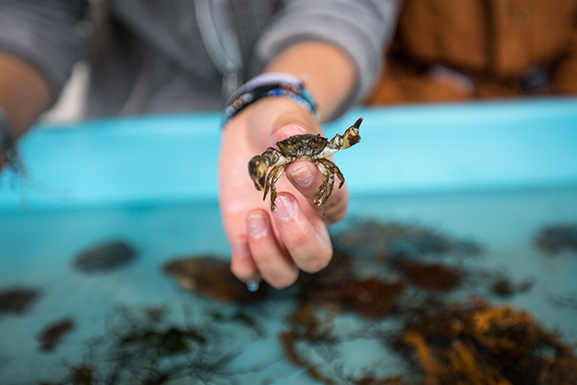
[
  {"x": 352, "y": 136},
  {"x": 257, "y": 168}
]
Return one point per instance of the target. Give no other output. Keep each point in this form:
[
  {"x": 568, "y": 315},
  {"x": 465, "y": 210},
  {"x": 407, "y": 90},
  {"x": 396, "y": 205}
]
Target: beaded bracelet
[
  {"x": 7, "y": 143},
  {"x": 264, "y": 86}
]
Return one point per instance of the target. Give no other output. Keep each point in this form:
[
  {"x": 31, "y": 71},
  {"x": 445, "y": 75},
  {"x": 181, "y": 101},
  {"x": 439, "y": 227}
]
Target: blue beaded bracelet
[{"x": 265, "y": 86}]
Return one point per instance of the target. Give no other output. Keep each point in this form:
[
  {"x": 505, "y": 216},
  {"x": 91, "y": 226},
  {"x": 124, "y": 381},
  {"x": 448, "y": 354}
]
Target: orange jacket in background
[{"x": 447, "y": 50}]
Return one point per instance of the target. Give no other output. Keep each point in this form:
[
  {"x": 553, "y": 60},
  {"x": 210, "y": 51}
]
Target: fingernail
[
  {"x": 252, "y": 286},
  {"x": 302, "y": 175},
  {"x": 256, "y": 226},
  {"x": 285, "y": 132},
  {"x": 240, "y": 249},
  {"x": 286, "y": 208}
]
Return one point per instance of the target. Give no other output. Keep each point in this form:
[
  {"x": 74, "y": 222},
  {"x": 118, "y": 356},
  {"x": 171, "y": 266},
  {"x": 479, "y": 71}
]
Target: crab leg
[
  {"x": 335, "y": 170},
  {"x": 271, "y": 180},
  {"x": 326, "y": 187},
  {"x": 328, "y": 169}
]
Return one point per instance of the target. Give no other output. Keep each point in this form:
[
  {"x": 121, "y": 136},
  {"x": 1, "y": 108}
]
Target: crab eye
[{"x": 257, "y": 170}]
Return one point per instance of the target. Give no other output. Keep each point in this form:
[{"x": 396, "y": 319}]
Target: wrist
[
  {"x": 267, "y": 86},
  {"x": 257, "y": 127},
  {"x": 267, "y": 116}
]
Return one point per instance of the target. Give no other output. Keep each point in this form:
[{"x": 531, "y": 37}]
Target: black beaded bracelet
[{"x": 264, "y": 86}]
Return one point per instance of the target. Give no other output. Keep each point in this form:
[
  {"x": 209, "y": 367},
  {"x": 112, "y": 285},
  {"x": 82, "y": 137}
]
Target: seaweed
[
  {"x": 369, "y": 380},
  {"x": 477, "y": 343},
  {"x": 337, "y": 290},
  {"x": 564, "y": 301},
  {"x": 504, "y": 287},
  {"x": 162, "y": 342},
  {"x": 556, "y": 238},
  {"x": 82, "y": 375},
  {"x": 394, "y": 240},
  {"x": 105, "y": 257},
  {"x": 396, "y": 284},
  {"x": 239, "y": 317},
  {"x": 371, "y": 297},
  {"x": 305, "y": 326},
  {"x": 17, "y": 300},
  {"x": 211, "y": 277},
  {"x": 431, "y": 276},
  {"x": 142, "y": 349},
  {"x": 52, "y": 334},
  {"x": 461, "y": 343}
]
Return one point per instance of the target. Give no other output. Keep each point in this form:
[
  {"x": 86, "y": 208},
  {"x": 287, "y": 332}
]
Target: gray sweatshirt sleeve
[
  {"x": 362, "y": 28},
  {"x": 44, "y": 33}
]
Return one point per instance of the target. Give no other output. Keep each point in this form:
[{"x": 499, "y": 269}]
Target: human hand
[{"x": 265, "y": 245}]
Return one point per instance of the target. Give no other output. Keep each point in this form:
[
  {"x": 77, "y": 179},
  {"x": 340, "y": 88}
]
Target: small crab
[{"x": 314, "y": 148}]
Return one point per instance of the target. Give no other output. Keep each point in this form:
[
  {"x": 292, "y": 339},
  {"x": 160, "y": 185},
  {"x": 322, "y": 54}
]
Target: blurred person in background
[
  {"x": 149, "y": 57},
  {"x": 457, "y": 50}
]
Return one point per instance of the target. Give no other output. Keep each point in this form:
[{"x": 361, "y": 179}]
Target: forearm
[
  {"x": 24, "y": 93},
  {"x": 39, "y": 44},
  {"x": 328, "y": 73}
]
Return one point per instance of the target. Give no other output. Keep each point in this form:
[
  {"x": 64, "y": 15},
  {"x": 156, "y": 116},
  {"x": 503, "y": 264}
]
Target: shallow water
[{"x": 38, "y": 247}]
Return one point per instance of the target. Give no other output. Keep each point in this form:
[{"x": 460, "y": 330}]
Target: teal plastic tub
[{"x": 495, "y": 173}]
